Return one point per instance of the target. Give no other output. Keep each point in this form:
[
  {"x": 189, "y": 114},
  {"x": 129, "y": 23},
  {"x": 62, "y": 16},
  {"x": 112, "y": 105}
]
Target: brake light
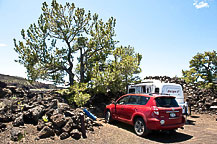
[{"x": 155, "y": 110}]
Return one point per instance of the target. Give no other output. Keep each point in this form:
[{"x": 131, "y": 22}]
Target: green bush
[{"x": 76, "y": 94}]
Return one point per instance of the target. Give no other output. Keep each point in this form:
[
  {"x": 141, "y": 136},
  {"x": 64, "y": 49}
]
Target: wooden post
[{"x": 83, "y": 130}]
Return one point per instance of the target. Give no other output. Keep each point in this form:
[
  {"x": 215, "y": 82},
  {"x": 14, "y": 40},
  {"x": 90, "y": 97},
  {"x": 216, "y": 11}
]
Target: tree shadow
[
  {"x": 190, "y": 122},
  {"x": 195, "y": 116},
  {"x": 158, "y": 136},
  {"x": 123, "y": 126}
]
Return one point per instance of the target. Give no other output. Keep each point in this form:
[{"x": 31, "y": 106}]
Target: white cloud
[
  {"x": 3, "y": 45},
  {"x": 201, "y": 4}
]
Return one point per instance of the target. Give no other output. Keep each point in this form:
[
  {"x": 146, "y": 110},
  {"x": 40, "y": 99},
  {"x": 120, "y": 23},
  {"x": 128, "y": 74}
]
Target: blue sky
[{"x": 168, "y": 33}]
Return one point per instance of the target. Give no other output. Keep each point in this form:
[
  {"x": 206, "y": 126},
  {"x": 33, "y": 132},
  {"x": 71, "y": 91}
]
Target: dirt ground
[{"x": 199, "y": 129}]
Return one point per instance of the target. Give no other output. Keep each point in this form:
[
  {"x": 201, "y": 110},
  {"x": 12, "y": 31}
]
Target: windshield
[{"x": 166, "y": 102}]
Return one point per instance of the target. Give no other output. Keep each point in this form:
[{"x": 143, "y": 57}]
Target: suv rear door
[{"x": 169, "y": 109}]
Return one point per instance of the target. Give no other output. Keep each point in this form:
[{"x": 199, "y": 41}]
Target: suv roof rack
[{"x": 151, "y": 94}]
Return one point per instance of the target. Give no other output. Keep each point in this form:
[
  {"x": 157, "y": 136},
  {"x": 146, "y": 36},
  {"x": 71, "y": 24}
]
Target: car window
[
  {"x": 166, "y": 102},
  {"x": 134, "y": 100},
  {"x": 123, "y": 100},
  {"x": 143, "y": 100},
  {"x": 138, "y": 100}
]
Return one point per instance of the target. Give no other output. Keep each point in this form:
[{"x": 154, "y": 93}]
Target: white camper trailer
[{"x": 156, "y": 86}]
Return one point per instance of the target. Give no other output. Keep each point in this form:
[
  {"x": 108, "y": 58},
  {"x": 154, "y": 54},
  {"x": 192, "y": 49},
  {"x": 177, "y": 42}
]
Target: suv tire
[
  {"x": 108, "y": 117},
  {"x": 140, "y": 127}
]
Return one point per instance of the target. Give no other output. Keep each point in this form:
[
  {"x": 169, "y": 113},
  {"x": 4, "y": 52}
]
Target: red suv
[{"x": 146, "y": 112}]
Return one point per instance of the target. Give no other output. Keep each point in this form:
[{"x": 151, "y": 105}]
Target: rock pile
[
  {"x": 47, "y": 111},
  {"x": 200, "y": 100}
]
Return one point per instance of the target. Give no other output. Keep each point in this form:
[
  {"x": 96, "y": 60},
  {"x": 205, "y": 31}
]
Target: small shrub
[
  {"x": 14, "y": 98},
  {"x": 20, "y": 105},
  {"x": 20, "y": 136},
  {"x": 76, "y": 94},
  {"x": 80, "y": 96},
  {"x": 45, "y": 118}
]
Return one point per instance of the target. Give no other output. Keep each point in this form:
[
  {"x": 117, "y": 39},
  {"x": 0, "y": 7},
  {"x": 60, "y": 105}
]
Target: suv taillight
[{"x": 155, "y": 110}]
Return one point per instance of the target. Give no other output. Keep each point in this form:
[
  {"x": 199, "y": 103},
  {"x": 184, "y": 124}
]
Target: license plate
[{"x": 172, "y": 115}]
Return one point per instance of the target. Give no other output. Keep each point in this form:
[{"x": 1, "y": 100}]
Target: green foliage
[
  {"x": 14, "y": 98},
  {"x": 20, "y": 136},
  {"x": 76, "y": 94},
  {"x": 64, "y": 91},
  {"x": 80, "y": 96},
  {"x": 95, "y": 48},
  {"x": 203, "y": 70},
  {"x": 102, "y": 79},
  {"x": 127, "y": 61},
  {"x": 115, "y": 75},
  {"x": 48, "y": 46}
]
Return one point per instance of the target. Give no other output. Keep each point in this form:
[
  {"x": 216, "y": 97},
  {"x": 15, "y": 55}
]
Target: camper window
[
  {"x": 148, "y": 90},
  {"x": 156, "y": 90},
  {"x": 132, "y": 90},
  {"x": 144, "y": 89}
]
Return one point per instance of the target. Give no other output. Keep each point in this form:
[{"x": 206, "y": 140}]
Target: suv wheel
[
  {"x": 108, "y": 117},
  {"x": 140, "y": 127}
]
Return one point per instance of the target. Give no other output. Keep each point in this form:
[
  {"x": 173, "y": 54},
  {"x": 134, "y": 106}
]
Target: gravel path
[{"x": 200, "y": 129}]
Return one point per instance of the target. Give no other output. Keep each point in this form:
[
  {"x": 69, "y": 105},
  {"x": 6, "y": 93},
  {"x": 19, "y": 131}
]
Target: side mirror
[{"x": 114, "y": 102}]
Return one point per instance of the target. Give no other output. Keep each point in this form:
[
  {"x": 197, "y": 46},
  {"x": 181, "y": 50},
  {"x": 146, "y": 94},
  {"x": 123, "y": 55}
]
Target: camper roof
[
  {"x": 151, "y": 81},
  {"x": 157, "y": 83}
]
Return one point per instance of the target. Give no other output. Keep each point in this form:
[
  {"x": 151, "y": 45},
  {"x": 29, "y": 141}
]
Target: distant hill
[{"x": 22, "y": 82}]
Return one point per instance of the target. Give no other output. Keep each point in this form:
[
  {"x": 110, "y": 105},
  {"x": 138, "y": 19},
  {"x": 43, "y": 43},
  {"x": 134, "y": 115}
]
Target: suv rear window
[{"x": 166, "y": 102}]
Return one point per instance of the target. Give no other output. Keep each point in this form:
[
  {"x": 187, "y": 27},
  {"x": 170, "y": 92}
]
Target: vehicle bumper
[{"x": 154, "y": 124}]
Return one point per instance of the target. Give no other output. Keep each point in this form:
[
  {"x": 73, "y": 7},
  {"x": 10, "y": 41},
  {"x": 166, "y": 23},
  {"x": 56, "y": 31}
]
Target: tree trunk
[
  {"x": 69, "y": 70},
  {"x": 210, "y": 76},
  {"x": 126, "y": 84},
  {"x": 81, "y": 66},
  {"x": 71, "y": 79},
  {"x": 71, "y": 76}
]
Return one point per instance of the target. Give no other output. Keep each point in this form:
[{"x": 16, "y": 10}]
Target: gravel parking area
[{"x": 199, "y": 129}]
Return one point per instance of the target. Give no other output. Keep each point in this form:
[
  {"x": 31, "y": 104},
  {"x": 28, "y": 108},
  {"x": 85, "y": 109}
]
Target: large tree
[
  {"x": 127, "y": 62},
  {"x": 115, "y": 74},
  {"x": 203, "y": 69},
  {"x": 49, "y": 46},
  {"x": 96, "y": 48}
]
